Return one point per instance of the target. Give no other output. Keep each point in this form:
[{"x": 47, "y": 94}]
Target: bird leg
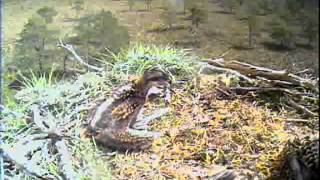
[{"x": 142, "y": 122}]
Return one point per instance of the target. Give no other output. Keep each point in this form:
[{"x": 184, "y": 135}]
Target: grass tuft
[{"x": 178, "y": 62}]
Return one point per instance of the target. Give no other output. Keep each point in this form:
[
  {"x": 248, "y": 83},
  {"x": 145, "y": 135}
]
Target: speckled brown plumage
[
  {"x": 307, "y": 151},
  {"x": 302, "y": 159},
  {"x": 111, "y": 120}
]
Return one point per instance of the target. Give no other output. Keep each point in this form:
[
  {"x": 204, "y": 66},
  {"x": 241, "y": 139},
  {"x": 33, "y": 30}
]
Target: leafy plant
[
  {"x": 179, "y": 63},
  {"x": 38, "y": 82},
  {"x": 283, "y": 32}
]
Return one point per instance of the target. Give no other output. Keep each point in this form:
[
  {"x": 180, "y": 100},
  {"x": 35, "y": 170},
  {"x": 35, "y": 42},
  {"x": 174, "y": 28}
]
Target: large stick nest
[{"x": 215, "y": 122}]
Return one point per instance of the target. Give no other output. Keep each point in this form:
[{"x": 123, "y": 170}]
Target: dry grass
[{"x": 204, "y": 135}]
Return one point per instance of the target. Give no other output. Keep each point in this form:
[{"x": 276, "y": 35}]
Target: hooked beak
[
  {"x": 160, "y": 92},
  {"x": 153, "y": 92}
]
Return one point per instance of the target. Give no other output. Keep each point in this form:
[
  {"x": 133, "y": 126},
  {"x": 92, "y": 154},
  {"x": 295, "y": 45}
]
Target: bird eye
[{"x": 155, "y": 79}]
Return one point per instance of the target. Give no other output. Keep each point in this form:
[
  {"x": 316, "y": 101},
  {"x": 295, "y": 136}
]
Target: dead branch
[
  {"x": 75, "y": 70},
  {"x": 219, "y": 62},
  {"x": 303, "y": 71},
  {"x": 246, "y": 90},
  {"x": 267, "y": 80},
  {"x": 301, "y": 108},
  {"x": 208, "y": 69},
  {"x": 71, "y": 49},
  {"x": 277, "y": 83},
  {"x": 297, "y": 120},
  {"x": 253, "y": 71}
]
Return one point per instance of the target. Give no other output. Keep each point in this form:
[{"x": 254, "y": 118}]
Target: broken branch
[{"x": 208, "y": 69}]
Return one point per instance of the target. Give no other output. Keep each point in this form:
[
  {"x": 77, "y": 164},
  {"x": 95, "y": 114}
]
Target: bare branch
[
  {"x": 253, "y": 71},
  {"x": 71, "y": 49},
  {"x": 245, "y": 90},
  {"x": 301, "y": 108},
  {"x": 297, "y": 120},
  {"x": 303, "y": 71},
  {"x": 207, "y": 69}
]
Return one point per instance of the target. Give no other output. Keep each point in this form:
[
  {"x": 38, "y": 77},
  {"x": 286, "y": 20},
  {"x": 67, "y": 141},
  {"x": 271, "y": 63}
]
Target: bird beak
[{"x": 153, "y": 91}]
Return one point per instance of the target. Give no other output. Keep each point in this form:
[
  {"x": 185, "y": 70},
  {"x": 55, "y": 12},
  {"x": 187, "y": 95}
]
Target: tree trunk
[
  {"x": 65, "y": 63},
  {"x": 40, "y": 56},
  {"x": 310, "y": 41},
  {"x": 250, "y": 36},
  {"x": 40, "y": 64}
]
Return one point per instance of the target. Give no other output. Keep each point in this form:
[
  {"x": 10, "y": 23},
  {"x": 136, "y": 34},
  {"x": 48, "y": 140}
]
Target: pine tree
[
  {"x": 96, "y": 32},
  {"x": 77, "y": 5},
  {"x": 168, "y": 16},
  {"x": 47, "y": 13},
  {"x": 199, "y": 12},
  {"x": 131, "y": 4},
  {"x": 36, "y": 44},
  {"x": 252, "y": 11},
  {"x": 282, "y": 31},
  {"x": 148, "y": 4}
]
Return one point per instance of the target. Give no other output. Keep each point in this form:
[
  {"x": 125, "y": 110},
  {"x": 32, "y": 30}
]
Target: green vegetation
[
  {"x": 77, "y": 5},
  {"x": 148, "y": 4},
  {"x": 310, "y": 26},
  {"x": 138, "y": 58},
  {"x": 253, "y": 21},
  {"x": 64, "y": 106},
  {"x": 199, "y": 12},
  {"x": 106, "y": 35},
  {"x": 36, "y": 46},
  {"x": 47, "y": 13},
  {"x": 282, "y": 32},
  {"x": 98, "y": 33},
  {"x": 37, "y": 82},
  {"x": 169, "y": 15},
  {"x": 231, "y": 5},
  {"x": 131, "y": 4}
]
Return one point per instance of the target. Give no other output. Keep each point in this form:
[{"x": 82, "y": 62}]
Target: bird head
[{"x": 156, "y": 84}]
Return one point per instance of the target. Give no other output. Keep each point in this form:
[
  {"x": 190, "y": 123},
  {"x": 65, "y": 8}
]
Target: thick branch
[
  {"x": 253, "y": 71},
  {"x": 256, "y": 71},
  {"x": 207, "y": 69}
]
